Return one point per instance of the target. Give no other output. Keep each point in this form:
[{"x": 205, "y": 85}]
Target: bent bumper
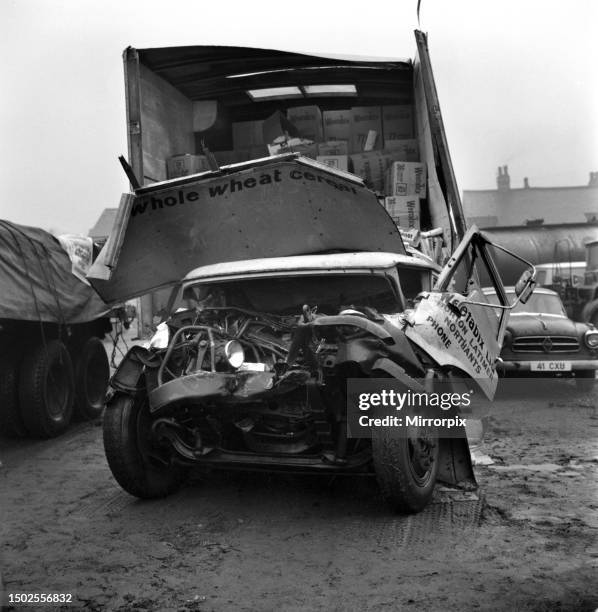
[{"x": 202, "y": 386}]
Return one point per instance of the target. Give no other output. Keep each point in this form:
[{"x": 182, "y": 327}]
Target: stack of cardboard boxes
[
  {"x": 374, "y": 142},
  {"x": 183, "y": 165}
]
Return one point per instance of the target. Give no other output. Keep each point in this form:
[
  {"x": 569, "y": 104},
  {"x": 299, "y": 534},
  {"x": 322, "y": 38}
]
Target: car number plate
[{"x": 550, "y": 366}]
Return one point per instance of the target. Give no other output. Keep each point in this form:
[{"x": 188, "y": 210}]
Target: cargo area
[
  {"x": 365, "y": 116},
  {"x": 204, "y": 112}
]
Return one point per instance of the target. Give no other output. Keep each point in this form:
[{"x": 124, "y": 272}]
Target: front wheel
[
  {"x": 132, "y": 460},
  {"x": 406, "y": 468}
]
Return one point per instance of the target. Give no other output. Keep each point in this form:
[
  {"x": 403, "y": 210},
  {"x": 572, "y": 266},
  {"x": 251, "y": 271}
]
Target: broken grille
[{"x": 546, "y": 344}]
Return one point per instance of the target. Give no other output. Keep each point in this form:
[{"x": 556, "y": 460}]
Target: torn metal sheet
[
  {"x": 456, "y": 340},
  {"x": 273, "y": 207}
]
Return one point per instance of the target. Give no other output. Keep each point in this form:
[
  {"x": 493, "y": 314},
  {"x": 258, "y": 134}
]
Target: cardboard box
[
  {"x": 183, "y": 165},
  {"x": 337, "y": 125},
  {"x": 247, "y": 134},
  {"x": 402, "y": 150},
  {"x": 295, "y": 145},
  {"x": 307, "y": 150},
  {"x": 397, "y": 122},
  {"x": 308, "y": 122},
  {"x": 339, "y": 162},
  {"x": 274, "y": 126},
  {"x": 363, "y": 120},
  {"x": 405, "y": 211},
  {"x": 406, "y": 179},
  {"x": 333, "y": 147},
  {"x": 371, "y": 167}
]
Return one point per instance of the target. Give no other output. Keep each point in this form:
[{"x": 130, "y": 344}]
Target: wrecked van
[
  {"x": 288, "y": 278},
  {"x": 250, "y": 369}
]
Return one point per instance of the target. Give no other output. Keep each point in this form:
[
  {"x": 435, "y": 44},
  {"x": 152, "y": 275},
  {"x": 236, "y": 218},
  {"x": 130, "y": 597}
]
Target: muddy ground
[{"x": 526, "y": 541}]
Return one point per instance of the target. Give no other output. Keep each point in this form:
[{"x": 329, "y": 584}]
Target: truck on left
[{"x": 53, "y": 364}]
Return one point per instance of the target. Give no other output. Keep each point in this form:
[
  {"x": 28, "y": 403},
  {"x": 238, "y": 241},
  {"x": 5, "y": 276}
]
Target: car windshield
[
  {"x": 330, "y": 293},
  {"x": 544, "y": 303}
]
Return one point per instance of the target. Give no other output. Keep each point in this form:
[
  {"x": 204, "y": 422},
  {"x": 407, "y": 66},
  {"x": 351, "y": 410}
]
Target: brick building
[{"x": 507, "y": 205}]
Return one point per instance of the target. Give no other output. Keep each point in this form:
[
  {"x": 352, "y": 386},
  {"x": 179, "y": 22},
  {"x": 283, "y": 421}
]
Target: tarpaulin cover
[{"x": 36, "y": 281}]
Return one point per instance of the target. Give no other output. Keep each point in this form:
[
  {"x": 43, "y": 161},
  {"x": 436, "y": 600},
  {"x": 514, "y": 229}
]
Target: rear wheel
[
  {"x": 46, "y": 389},
  {"x": 92, "y": 373},
  {"x": 406, "y": 468},
  {"x": 585, "y": 380},
  {"x": 132, "y": 460}
]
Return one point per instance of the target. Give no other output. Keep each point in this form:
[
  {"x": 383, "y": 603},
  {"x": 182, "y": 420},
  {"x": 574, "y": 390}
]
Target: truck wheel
[
  {"x": 46, "y": 389},
  {"x": 128, "y": 450},
  {"x": 92, "y": 373},
  {"x": 585, "y": 380},
  {"x": 11, "y": 421},
  {"x": 406, "y": 468}
]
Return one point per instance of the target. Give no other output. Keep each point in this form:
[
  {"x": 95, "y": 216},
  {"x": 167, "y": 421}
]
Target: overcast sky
[{"x": 517, "y": 81}]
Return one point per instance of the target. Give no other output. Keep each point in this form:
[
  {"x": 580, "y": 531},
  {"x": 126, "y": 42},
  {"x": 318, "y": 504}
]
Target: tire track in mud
[{"x": 452, "y": 515}]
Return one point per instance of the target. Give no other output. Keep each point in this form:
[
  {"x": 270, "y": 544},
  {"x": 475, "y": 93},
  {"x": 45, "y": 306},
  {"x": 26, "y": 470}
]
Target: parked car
[{"x": 542, "y": 341}]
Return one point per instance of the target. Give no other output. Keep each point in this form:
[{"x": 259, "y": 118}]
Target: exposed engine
[
  {"x": 202, "y": 338},
  {"x": 276, "y": 354}
]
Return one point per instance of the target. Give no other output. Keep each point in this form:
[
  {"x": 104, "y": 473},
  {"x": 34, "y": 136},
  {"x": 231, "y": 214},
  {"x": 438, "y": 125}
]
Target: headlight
[
  {"x": 161, "y": 338},
  {"x": 591, "y": 339},
  {"x": 234, "y": 353}
]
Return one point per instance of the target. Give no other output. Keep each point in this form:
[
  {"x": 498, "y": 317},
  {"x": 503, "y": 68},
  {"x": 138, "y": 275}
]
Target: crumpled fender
[
  {"x": 454, "y": 463},
  {"x": 356, "y": 321},
  {"x": 454, "y": 457},
  {"x": 129, "y": 376},
  {"x": 385, "y": 341}
]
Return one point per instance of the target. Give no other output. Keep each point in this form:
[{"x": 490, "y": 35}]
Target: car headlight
[
  {"x": 234, "y": 353},
  {"x": 591, "y": 339}
]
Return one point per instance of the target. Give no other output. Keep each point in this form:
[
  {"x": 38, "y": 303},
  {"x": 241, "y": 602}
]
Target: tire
[
  {"x": 47, "y": 389},
  {"x": 126, "y": 444},
  {"x": 11, "y": 420},
  {"x": 92, "y": 373},
  {"x": 585, "y": 380},
  {"x": 406, "y": 469}
]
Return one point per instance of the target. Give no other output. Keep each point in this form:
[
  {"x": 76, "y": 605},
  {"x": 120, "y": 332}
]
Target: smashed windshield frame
[{"x": 284, "y": 295}]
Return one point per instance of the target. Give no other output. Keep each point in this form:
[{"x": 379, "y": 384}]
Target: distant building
[
  {"x": 527, "y": 205},
  {"x": 103, "y": 226}
]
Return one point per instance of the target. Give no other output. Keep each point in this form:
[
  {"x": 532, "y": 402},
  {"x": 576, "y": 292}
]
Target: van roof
[
  {"x": 328, "y": 263},
  {"x": 226, "y": 73}
]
